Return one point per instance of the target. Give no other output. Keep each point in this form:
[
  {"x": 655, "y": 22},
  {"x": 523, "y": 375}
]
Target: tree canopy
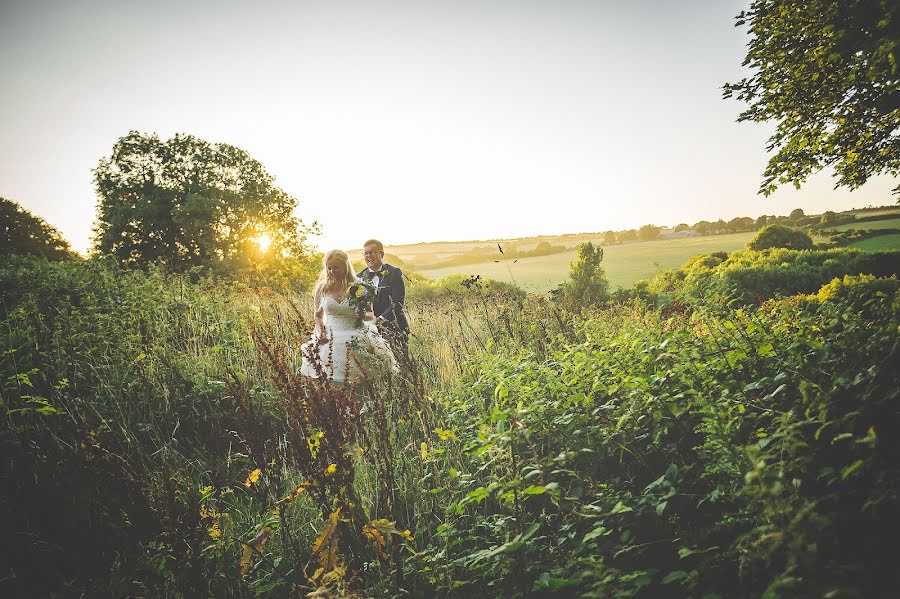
[
  {"x": 186, "y": 203},
  {"x": 21, "y": 232},
  {"x": 826, "y": 71},
  {"x": 649, "y": 232}
]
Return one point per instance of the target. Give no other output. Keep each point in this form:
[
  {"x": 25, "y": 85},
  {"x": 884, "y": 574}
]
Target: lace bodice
[{"x": 338, "y": 315}]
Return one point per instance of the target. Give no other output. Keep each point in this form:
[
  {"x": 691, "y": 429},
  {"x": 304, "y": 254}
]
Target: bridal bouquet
[{"x": 360, "y": 296}]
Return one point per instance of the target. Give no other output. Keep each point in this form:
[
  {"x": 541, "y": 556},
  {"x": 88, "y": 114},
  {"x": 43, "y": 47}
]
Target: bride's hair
[{"x": 326, "y": 280}]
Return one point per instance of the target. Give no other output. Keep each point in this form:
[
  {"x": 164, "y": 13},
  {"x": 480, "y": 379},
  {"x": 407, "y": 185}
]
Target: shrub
[{"x": 780, "y": 236}]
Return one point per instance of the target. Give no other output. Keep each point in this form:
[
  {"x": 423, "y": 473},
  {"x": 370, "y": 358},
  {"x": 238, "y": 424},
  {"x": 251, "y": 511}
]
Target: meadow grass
[
  {"x": 889, "y": 223},
  {"x": 624, "y": 264},
  {"x": 880, "y": 243},
  {"x": 879, "y": 212}
]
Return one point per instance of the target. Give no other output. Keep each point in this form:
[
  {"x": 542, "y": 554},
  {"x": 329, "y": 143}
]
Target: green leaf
[
  {"x": 599, "y": 531},
  {"x": 674, "y": 576},
  {"x": 849, "y": 470}
]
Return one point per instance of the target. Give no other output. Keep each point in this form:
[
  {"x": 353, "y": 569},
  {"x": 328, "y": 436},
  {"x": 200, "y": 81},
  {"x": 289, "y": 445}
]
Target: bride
[{"x": 342, "y": 339}]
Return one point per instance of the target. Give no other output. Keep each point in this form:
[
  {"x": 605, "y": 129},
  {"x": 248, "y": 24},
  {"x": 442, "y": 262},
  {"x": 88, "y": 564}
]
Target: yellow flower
[
  {"x": 445, "y": 434},
  {"x": 254, "y": 476},
  {"x": 332, "y": 468},
  {"x": 407, "y": 535},
  {"x": 359, "y": 292},
  {"x": 215, "y": 531},
  {"x": 423, "y": 451}
]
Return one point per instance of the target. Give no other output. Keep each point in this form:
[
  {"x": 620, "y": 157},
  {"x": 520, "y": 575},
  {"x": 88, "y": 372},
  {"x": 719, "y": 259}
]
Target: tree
[
  {"x": 649, "y": 232},
  {"x": 828, "y": 217},
  {"x": 826, "y": 71},
  {"x": 682, "y": 227},
  {"x": 587, "y": 284},
  {"x": 628, "y": 236},
  {"x": 21, "y": 232},
  {"x": 780, "y": 236},
  {"x": 741, "y": 223},
  {"x": 796, "y": 214},
  {"x": 610, "y": 238},
  {"x": 186, "y": 203},
  {"x": 704, "y": 227},
  {"x": 761, "y": 221}
]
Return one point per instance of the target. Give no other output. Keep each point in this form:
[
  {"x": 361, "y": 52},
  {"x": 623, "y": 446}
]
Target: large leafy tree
[
  {"x": 21, "y": 232},
  {"x": 827, "y": 72},
  {"x": 186, "y": 203}
]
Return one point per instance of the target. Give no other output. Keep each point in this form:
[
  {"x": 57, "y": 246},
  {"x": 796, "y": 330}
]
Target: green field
[
  {"x": 888, "y": 223},
  {"x": 884, "y": 210},
  {"x": 624, "y": 264},
  {"x": 880, "y": 243}
]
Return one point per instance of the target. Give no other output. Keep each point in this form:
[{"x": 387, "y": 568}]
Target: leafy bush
[
  {"x": 780, "y": 236},
  {"x": 738, "y": 455},
  {"x": 752, "y": 277}
]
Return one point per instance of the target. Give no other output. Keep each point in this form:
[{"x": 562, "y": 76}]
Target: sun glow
[{"x": 263, "y": 241}]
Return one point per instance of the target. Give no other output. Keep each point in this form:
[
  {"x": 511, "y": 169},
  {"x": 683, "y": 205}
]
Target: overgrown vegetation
[{"x": 158, "y": 440}]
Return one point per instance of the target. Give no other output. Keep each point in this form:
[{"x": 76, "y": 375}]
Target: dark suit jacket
[{"x": 391, "y": 296}]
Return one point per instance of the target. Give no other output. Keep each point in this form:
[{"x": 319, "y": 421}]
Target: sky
[{"x": 405, "y": 120}]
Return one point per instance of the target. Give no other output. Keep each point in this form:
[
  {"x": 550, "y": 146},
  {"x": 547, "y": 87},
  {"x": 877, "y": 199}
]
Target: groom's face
[{"x": 373, "y": 257}]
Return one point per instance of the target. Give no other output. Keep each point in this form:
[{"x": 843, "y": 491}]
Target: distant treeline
[
  {"x": 798, "y": 219},
  {"x": 495, "y": 252}
]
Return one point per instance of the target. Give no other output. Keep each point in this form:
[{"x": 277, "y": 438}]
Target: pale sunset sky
[{"x": 406, "y": 120}]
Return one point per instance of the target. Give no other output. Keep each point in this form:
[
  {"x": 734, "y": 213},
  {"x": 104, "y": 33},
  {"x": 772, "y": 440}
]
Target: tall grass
[{"x": 159, "y": 441}]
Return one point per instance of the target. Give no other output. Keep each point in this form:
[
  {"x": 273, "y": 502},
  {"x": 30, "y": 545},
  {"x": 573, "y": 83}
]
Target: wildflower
[
  {"x": 444, "y": 434},
  {"x": 423, "y": 451},
  {"x": 332, "y": 468},
  {"x": 215, "y": 531},
  {"x": 407, "y": 535},
  {"x": 252, "y": 478}
]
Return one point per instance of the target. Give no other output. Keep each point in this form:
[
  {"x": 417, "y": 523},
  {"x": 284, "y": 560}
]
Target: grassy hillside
[
  {"x": 880, "y": 243},
  {"x": 624, "y": 264},
  {"x": 890, "y": 223}
]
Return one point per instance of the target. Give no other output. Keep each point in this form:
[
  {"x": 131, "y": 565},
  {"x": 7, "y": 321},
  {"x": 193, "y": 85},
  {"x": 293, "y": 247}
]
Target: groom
[{"x": 388, "y": 306}]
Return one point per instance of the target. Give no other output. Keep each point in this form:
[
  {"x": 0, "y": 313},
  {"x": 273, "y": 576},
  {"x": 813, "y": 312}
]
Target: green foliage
[
  {"x": 587, "y": 284},
  {"x": 826, "y": 72},
  {"x": 185, "y": 203},
  {"x": 750, "y": 277},
  {"x": 649, "y": 232},
  {"x": 21, "y": 232},
  {"x": 780, "y": 236},
  {"x": 111, "y": 410},
  {"x": 628, "y": 236},
  {"x": 159, "y": 442},
  {"x": 423, "y": 288},
  {"x": 685, "y": 456}
]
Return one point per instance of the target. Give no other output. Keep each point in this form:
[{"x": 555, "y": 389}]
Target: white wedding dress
[{"x": 350, "y": 344}]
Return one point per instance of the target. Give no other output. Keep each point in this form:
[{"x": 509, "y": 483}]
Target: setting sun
[{"x": 263, "y": 241}]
